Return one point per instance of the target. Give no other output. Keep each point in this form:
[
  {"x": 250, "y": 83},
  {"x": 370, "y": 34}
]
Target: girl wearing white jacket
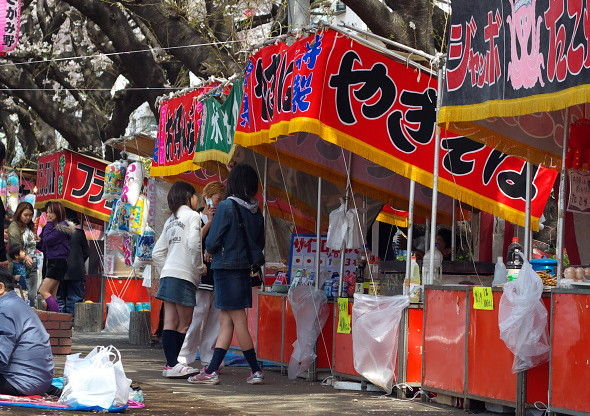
[{"x": 178, "y": 255}]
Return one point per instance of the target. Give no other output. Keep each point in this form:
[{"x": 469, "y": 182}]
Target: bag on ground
[
  {"x": 522, "y": 319},
  {"x": 375, "y": 334},
  {"x": 95, "y": 380}
]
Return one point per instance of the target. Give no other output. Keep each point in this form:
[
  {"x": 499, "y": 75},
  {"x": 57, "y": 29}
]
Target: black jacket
[{"x": 78, "y": 256}]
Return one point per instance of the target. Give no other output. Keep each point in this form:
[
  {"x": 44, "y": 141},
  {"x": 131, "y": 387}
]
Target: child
[
  {"x": 179, "y": 257},
  {"x": 17, "y": 256}
]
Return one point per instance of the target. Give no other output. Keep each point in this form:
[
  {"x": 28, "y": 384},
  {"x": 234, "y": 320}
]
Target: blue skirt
[
  {"x": 233, "y": 289},
  {"x": 177, "y": 291}
]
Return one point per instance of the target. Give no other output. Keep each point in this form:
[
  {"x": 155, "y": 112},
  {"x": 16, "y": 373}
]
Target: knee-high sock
[
  {"x": 218, "y": 355},
  {"x": 179, "y": 341},
  {"x": 250, "y": 356},
  {"x": 169, "y": 344}
]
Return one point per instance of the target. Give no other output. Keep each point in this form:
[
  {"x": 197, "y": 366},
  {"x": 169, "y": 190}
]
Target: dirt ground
[{"x": 234, "y": 397}]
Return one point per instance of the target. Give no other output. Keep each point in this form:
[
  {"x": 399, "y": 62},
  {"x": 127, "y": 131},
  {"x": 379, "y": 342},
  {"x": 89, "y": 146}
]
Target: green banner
[{"x": 218, "y": 125}]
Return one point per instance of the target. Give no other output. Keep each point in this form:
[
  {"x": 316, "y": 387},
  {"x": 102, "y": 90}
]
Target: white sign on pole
[{"x": 579, "y": 198}]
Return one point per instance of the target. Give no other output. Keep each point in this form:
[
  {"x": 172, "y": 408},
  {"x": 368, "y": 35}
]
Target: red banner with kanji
[
  {"x": 178, "y": 132},
  {"x": 385, "y": 111},
  {"x": 75, "y": 180}
]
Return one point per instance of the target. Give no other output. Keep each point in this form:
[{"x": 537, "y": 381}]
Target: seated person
[{"x": 26, "y": 362}]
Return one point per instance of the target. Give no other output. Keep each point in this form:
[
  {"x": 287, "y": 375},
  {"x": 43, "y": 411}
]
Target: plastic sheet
[
  {"x": 375, "y": 334},
  {"x": 118, "y": 316},
  {"x": 523, "y": 320},
  {"x": 310, "y": 308},
  {"x": 344, "y": 229}
]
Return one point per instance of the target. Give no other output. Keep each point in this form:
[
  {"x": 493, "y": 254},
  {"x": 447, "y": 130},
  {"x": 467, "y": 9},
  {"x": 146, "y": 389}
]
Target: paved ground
[{"x": 234, "y": 396}]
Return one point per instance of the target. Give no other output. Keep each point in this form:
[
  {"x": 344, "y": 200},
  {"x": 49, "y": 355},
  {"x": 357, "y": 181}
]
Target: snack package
[
  {"x": 138, "y": 215},
  {"x": 114, "y": 176},
  {"x": 133, "y": 183}
]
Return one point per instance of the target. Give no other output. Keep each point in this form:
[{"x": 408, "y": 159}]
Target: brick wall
[{"x": 59, "y": 327}]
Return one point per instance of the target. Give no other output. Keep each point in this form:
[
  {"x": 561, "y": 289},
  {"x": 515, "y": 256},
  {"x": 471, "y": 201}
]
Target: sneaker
[
  {"x": 179, "y": 371},
  {"x": 204, "y": 378},
  {"x": 165, "y": 370},
  {"x": 221, "y": 367},
  {"x": 255, "y": 378}
]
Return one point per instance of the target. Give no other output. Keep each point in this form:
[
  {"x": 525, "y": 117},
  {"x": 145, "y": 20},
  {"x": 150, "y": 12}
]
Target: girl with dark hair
[
  {"x": 237, "y": 225},
  {"x": 55, "y": 245},
  {"x": 21, "y": 232},
  {"x": 179, "y": 257}
]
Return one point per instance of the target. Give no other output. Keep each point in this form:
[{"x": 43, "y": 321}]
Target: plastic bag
[
  {"x": 310, "y": 308},
  {"x": 375, "y": 334},
  {"x": 522, "y": 319},
  {"x": 337, "y": 228},
  {"x": 354, "y": 237},
  {"x": 95, "y": 380},
  {"x": 114, "y": 175},
  {"x": 118, "y": 316},
  {"x": 133, "y": 183}
]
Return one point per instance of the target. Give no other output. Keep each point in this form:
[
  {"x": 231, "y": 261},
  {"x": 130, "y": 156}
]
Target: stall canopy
[
  {"x": 382, "y": 110},
  {"x": 513, "y": 66},
  {"x": 75, "y": 180}
]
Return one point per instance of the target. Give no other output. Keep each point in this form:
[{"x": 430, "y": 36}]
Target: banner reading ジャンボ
[
  {"x": 514, "y": 57},
  {"x": 382, "y": 110}
]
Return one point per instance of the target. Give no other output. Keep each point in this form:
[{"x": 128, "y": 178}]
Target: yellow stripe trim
[
  {"x": 392, "y": 219},
  {"x": 381, "y": 158},
  {"x": 548, "y": 102},
  {"x": 170, "y": 170},
  {"x": 78, "y": 208},
  {"x": 214, "y": 155}
]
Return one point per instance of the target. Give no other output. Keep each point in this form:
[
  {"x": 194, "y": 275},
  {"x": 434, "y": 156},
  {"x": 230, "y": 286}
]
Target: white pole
[
  {"x": 527, "y": 219},
  {"x": 454, "y": 231},
  {"x": 561, "y": 198},
  {"x": 410, "y": 235},
  {"x": 298, "y": 16},
  {"x": 430, "y": 277},
  {"x": 318, "y": 230},
  {"x": 264, "y": 203}
]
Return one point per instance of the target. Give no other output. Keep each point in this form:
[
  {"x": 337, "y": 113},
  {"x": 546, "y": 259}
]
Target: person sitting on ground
[
  {"x": 26, "y": 362},
  {"x": 17, "y": 256}
]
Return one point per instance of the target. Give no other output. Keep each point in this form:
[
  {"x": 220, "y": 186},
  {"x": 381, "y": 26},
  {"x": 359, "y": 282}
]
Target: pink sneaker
[
  {"x": 204, "y": 378},
  {"x": 255, "y": 378},
  {"x": 165, "y": 370},
  {"x": 179, "y": 371}
]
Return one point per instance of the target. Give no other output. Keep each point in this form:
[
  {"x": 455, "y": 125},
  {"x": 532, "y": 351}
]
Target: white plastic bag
[
  {"x": 310, "y": 308},
  {"x": 95, "y": 380},
  {"x": 522, "y": 319},
  {"x": 375, "y": 334},
  {"x": 337, "y": 228},
  {"x": 118, "y": 316}
]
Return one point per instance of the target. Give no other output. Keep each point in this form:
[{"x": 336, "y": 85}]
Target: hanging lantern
[{"x": 578, "y": 152}]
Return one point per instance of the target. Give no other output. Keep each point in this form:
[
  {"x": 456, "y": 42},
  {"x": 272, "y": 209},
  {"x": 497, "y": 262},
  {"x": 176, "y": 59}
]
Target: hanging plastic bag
[
  {"x": 354, "y": 237},
  {"x": 114, "y": 175},
  {"x": 133, "y": 183},
  {"x": 118, "y": 316},
  {"x": 138, "y": 215},
  {"x": 12, "y": 188},
  {"x": 375, "y": 334},
  {"x": 337, "y": 228},
  {"x": 522, "y": 319},
  {"x": 310, "y": 308}
]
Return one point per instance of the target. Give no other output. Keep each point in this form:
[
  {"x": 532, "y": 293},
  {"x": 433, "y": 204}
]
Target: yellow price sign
[
  {"x": 344, "y": 317},
  {"x": 483, "y": 298}
]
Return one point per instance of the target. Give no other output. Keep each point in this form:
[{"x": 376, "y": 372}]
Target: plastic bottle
[
  {"x": 437, "y": 265},
  {"x": 414, "y": 281},
  {"x": 514, "y": 259},
  {"x": 500, "y": 273}
]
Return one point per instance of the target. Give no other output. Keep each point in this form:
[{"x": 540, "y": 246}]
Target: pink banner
[{"x": 10, "y": 13}]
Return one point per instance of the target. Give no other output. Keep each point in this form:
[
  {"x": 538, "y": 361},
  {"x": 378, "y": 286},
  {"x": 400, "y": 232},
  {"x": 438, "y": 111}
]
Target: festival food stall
[
  {"x": 77, "y": 181},
  {"x": 359, "y": 89},
  {"x": 516, "y": 79}
]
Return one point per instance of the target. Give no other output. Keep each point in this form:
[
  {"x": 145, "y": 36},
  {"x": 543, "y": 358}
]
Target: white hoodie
[{"x": 178, "y": 251}]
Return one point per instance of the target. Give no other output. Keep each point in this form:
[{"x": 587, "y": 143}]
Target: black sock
[
  {"x": 250, "y": 356},
  {"x": 169, "y": 343},
  {"x": 180, "y": 340},
  {"x": 218, "y": 355}
]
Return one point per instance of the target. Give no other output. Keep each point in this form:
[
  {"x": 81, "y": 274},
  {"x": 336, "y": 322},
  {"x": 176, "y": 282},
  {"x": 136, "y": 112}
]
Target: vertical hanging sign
[{"x": 10, "y": 12}]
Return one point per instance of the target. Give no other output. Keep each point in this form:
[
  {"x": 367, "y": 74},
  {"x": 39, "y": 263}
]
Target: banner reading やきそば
[{"x": 350, "y": 95}]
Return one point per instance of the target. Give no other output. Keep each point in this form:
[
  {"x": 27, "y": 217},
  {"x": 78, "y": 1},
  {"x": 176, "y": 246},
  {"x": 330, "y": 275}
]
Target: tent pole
[
  {"x": 318, "y": 230},
  {"x": 347, "y": 192},
  {"x": 454, "y": 231},
  {"x": 409, "y": 236},
  {"x": 264, "y": 206},
  {"x": 561, "y": 198},
  {"x": 435, "y": 170},
  {"x": 527, "y": 219}
]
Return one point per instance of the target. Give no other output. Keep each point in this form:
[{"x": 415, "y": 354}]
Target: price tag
[
  {"x": 343, "y": 316},
  {"x": 483, "y": 298}
]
